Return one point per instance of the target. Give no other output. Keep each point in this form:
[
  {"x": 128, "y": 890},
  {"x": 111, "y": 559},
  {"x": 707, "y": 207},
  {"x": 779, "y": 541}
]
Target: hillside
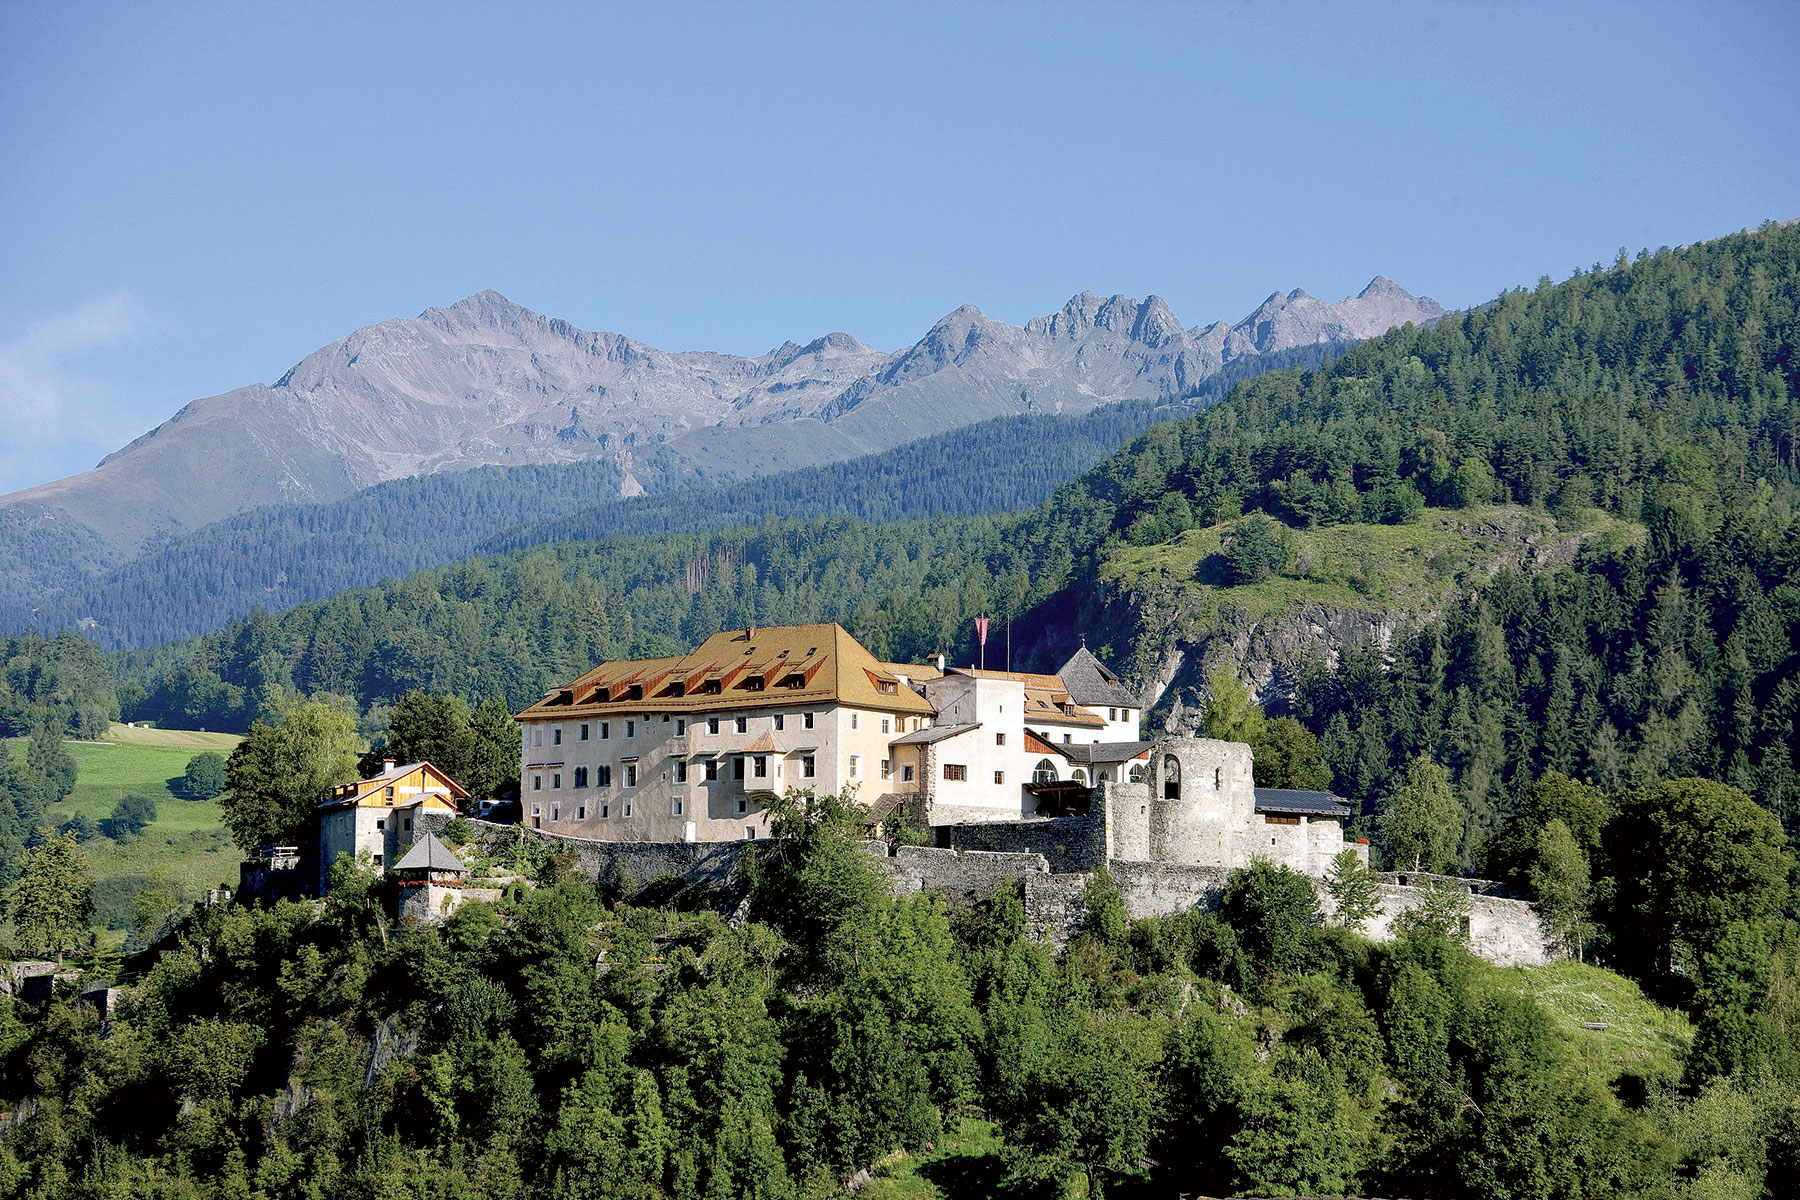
[{"x": 486, "y": 382}]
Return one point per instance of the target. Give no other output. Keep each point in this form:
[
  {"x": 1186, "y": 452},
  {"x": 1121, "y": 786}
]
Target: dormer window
[
  {"x": 712, "y": 687},
  {"x": 754, "y": 683},
  {"x": 603, "y": 695},
  {"x": 886, "y": 687},
  {"x": 796, "y": 680},
  {"x": 678, "y": 689},
  {"x": 637, "y": 691}
]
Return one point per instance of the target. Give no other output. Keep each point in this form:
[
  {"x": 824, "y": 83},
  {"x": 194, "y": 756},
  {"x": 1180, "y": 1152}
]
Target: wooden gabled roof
[{"x": 362, "y": 789}]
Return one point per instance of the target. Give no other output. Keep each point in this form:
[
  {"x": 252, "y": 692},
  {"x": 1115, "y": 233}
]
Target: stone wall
[
  {"x": 1068, "y": 844},
  {"x": 1153, "y": 889},
  {"x": 704, "y": 864},
  {"x": 964, "y": 876},
  {"x": 1504, "y": 931}
]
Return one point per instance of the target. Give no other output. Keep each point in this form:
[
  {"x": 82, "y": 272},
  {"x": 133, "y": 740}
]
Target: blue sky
[{"x": 193, "y": 198}]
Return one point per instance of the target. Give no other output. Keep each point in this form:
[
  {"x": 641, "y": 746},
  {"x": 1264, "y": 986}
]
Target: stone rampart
[
  {"x": 1068, "y": 844},
  {"x": 963, "y": 876},
  {"x": 703, "y": 864},
  {"x": 1502, "y": 930},
  {"x": 1153, "y": 889}
]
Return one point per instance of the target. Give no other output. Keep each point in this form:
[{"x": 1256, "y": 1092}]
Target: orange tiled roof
[{"x": 741, "y": 668}]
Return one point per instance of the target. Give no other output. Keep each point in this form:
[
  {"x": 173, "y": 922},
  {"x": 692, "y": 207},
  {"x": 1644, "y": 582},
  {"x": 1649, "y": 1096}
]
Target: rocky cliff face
[{"x": 488, "y": 382}]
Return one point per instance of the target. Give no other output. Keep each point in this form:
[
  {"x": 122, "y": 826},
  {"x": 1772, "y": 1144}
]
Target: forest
[{"x": 618, "y": 1039}]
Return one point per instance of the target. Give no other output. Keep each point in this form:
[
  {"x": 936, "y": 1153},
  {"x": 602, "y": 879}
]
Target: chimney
[
  {"x": 750, "y": 634},
  {"x": 940, "y": 662},
  {"x": 387, "y": 766}
]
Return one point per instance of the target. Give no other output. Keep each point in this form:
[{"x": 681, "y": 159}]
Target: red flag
[{"x": 981, "y": 628}]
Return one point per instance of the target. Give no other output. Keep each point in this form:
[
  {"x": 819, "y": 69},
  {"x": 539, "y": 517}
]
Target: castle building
[
  {"x": 693, "y": 748},
  {"x": 383, "y": 815}
]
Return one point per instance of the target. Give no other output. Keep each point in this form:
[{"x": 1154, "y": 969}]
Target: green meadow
[{"x": 187, "y": 844}]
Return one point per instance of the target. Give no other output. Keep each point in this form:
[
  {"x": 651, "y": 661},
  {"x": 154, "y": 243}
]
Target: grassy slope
[
  {"x": 1641, "y": 1038},
  {"x": 187, "y": 843},
  {"x": 1361, "y": 568}
]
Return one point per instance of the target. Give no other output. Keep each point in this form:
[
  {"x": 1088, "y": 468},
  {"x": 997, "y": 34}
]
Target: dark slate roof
[
  {"x": 429, "y": 854},
  {"x": 932, "y": 733},
  {"x": 1291, "y": 800},
  {"x": 1102, "y": 752},
  {"x": 1091, "y": 684}
]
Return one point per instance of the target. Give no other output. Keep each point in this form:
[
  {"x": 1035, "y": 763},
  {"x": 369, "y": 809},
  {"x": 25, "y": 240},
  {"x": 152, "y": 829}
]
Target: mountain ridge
[{"x": 486, "y": 381}]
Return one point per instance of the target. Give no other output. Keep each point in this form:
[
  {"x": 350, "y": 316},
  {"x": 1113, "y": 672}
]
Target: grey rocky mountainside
[{"x": 488, "y": 382}]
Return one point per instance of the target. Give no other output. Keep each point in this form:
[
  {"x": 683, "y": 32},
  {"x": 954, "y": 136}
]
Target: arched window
[
  {"x": 1137, "y": 773},
  {"x": 1171, "y": 778},
  {"x": 1044, "y": 772},
  {"x": 1080, "y": 776}
]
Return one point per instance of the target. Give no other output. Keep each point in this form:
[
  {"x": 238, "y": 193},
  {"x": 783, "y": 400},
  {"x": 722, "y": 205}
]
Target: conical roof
[{"x": 429, "y": 854}]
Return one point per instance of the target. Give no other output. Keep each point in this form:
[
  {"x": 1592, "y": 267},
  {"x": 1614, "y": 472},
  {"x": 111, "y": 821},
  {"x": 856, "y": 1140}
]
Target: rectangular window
[
  {"x": 884, "y": 724},
  {"x": 581, "y": 733},
  {"x": 537, "y": 783},
  {"x": 1112, "y": 714},
  {"x": 378, "y": 863},
  {"x": 806, "y": 720},
  {"x": 680, "y": 726},
  {"x": 630, "y": 774},
  {"x": 537, "y": 735},
  {"x": 1067, "y": 738},
  {"x": 853, "y": 717},
  {"x": 750, "y": 836},
  {"x": 712, "y": 724},
  {"x": 808, "y": 767},
  {"x": 537, "y": 811},
  {"x": 627, "y": 808},
  {"x": 631, "y": 729},
  {"x": 605, "y": 773},
  {"x": 675, "y": 808},
  {"x": 712, "y": 769},
  {"x": 779, "y": 722},
  {"x": 743, "y": 724},
  {"x": 887, "y": 768},
  {"x": 737, "y": 768},
  {"x": 1272, "y": 819},
  {"x": 999, "y": 777},
  {"x": 743, "y": 806},
  {"x": 999, "y": 739},
  {"x": 555, "y": 738},
  {"x": 556, "y": 781},
  {"x": 605, "y": 730},
  {"x": 581, "y": 813},
  {"x": 581, "y": 777},
  {"x": 605, "y": 811},
  {"x": 956, "y": 772},
  {"x": 762, "y": 766},
  {"x": 380, "y": 823},
  {"x": 681, "y": 770},
  {"x": 906, "y": 773},
  {"x": 406, "y": 825},
  {"x": 556, "y": 812},
  {"x": 853, "y": 760}
]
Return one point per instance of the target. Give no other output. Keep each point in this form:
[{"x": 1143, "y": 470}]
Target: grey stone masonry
[{"x": 1068, "y": 844}]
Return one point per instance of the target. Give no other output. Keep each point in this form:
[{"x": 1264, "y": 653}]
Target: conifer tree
[{"x": 50, "y": 909}]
